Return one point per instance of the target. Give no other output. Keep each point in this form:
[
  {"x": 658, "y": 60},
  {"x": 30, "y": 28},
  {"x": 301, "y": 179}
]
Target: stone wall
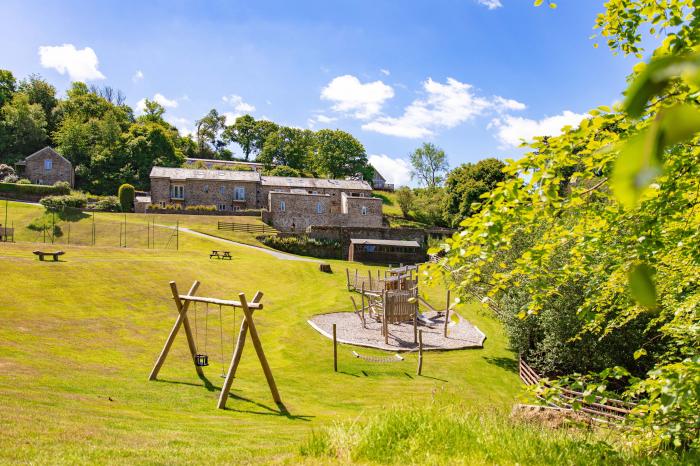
[
  {"x": 61, "y": 169},
  {"x": 206, "y": 192}
]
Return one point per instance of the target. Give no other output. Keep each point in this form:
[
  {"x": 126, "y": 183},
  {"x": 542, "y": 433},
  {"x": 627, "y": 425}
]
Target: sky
[{"x": 474, "y": 77}]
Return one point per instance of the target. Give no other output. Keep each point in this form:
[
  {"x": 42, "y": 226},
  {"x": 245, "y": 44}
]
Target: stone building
[
  {"x": 289, "y": 204},
  {"x": 233, "y": 164},
  {"x": 46, "y": 166}
]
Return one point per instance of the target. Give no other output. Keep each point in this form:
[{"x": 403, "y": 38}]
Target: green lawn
[{"x": 79, "y": 338}]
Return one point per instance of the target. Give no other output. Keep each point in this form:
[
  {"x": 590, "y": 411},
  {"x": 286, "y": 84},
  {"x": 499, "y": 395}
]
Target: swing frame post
[
  {"x": 335, "y": 350},
  {"x": 182, "y": 320}
]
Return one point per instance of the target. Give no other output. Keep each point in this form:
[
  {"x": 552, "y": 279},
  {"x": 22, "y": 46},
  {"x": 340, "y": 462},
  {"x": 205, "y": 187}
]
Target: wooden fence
[
  {"x": 602, "y": 409},
  {"x": 246, "y": 227}
]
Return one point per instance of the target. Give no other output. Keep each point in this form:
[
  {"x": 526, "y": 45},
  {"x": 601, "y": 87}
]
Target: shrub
[
  {"x": 235, "y": 168},
  {"x": 23, "y": 181},
  {"x": 58, "y": 203},
  {"x": 64, "y": 185},
  {"x": 201, "y": 208},
  {"x": 127, "y": 194},
  {"x": 405, "y": 199},
  {"x": 24, "y": 188},
  {"x": 7, "y": 172},
  {"x": 108, "y": 204},
  {"x": 303, "y": 245},
  {"x": 284, "y": 170}
]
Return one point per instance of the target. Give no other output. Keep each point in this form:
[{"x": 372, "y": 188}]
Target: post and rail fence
[{"x": 246, "y": 227}]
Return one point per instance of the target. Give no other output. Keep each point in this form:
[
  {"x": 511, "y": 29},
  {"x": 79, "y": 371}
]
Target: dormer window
[{"x": 48, "y": 164}]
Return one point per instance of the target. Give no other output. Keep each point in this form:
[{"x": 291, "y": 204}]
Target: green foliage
[
  {"x": 68, "y": 201},
  {"x": 338, "y": 154},
  {"x": 405, "y": 199},
  {"x": 428, "y": 206},
  {"x": 287, "y": 146},
  {"x": 108, "y": 204},
  {"x": 126, "y": 195},
  {"x": 23, "y": 181},
  {"x": 245, "y": 133},
  {"x": 7, "y": 174},
  {"x": 8, "y": 86},
  {"x": 429, "y": 165},
  {"x": 283, "y": 170},
  {"x": 22, "y": 187},
  {"x": 201, "y": 208},
  {"x": 210, "y": 141},
  {"x": 466, "y": 184},
  {"x": 23, "y": 127},
  {"x": 303, "y": 245}
]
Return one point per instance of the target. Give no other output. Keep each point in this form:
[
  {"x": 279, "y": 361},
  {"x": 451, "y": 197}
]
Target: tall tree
[
  {"x": 465, "y": 185},
  {"x": 148, "y": 144},
  {"x": 339, "y": 154},
  {"x": 8, "y": 86},
  {"x": 263, "y": 129},
  {"x": 209, "y": 129},
  {"x": 429, "y": 165},
  {"x": 23, "y": 126},
  {"x": 41, "y": 92},
  {"x": 292, "y": 147},
  {"x": 244, "y": 133}
]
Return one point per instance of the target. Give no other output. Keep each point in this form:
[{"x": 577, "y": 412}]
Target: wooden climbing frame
[{"x": 182, "y": 303}]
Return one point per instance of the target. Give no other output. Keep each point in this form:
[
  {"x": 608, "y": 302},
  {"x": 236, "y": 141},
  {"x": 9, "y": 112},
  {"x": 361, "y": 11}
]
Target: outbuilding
[{"x": 385, "y": 251}]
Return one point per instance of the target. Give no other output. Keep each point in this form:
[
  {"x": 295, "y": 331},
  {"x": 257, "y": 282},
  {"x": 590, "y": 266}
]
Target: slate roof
[
  {"x": 199, "y": 174},
  {"x": 45, "y": 150},
  {"x": 320, "y": 183}
]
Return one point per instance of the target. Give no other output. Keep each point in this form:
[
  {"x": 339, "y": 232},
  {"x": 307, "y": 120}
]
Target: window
[
  {"x": 222, "y": 190},
  {"x": 177, "y": 191},
  {"x": 239, "y": 193},
  {"x": 319, "y": 208},
  {"x": 237, "y": 208},
  {"x": 364, "y": 210},
  {"x": 283, "y": 206},
  {"x": 221, "y": 206},
  {"x": 48, "y": 164},
  {"x": 206, "y": 188}
]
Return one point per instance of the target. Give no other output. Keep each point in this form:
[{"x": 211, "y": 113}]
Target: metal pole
[
  {"x": 335, "y": 351},
  {"x": 420, "y": 352},
  {"x": 68, "y": 232},
  {"x": 177, "y": 235},
  {"x": 53, "y": 227},
  {"x": 5, "y": 235},
  {"x": 124, "y": 230},
  {"x": 93, "y": 228},
  {"x": 44, "y": 231}
]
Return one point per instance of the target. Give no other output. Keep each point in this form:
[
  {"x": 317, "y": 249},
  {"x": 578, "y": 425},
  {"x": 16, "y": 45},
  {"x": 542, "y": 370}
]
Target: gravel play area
[{"x": 349, "y": 330}]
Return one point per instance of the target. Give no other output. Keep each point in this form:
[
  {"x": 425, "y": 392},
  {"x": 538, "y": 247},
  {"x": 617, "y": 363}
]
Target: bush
[
  {"x": 127, "y": 194},
  {"x": 23, "y": 181},
  {"x": 405, "y": 199},
  {"x": 284, "y": 170},
  {"x": 6, "y": 173},
  {"x": 235, "y": 168},
  {"x": 58, "y": 203},
  {"x": 201, "y": 208},
  {"x": 108, "y": 204},
  {"x": 304, "y": 246},
  {"x": 64, "y": 185}
]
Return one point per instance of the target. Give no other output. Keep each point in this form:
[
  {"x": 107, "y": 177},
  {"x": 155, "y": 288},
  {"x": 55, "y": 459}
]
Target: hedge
[
  {"x": 34, "y": 189},
  {"x": 57, "y": 203}
]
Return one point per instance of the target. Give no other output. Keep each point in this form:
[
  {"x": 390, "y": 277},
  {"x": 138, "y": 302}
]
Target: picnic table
[
  {"x": 220, "y": 255},
  {"x": 53, "y": 254}
]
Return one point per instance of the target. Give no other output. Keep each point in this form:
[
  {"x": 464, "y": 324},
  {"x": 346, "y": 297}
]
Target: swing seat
[{"x": 201, "y": 360}]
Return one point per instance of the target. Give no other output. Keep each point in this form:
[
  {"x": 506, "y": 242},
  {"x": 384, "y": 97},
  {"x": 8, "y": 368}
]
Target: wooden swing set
[{"x": 182, "y": 303}]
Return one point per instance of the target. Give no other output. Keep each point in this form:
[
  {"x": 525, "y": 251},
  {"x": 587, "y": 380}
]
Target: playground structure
[
  {"x": 401, "y": 278},
  {"x": 182, "y": 303}
]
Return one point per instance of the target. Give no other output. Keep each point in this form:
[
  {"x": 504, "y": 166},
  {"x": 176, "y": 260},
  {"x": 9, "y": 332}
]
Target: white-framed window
[
  {"x": 364, "y": 210},
  {"x": 239, "y": 193},
  {"x": 206, "y": 188},
  {"x": 222, "y": 190},
  {"x": 48, "y": 164},
  {"x": 283, "y": 206},
  {"x": 221, "y": 206},
  {"x": 237, "y": 208},
  {"x": 319, "y": 208},
  {"x": 177, "y": 191}
]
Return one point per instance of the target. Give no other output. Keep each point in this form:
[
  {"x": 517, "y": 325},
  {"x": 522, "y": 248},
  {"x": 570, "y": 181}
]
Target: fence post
[
  {"x": 53, "y": 227},
  {"x": 4, "y": 237},
  {"x": 44, "y": 231},
  {"x": 335, "y": 351},
  {"x": 93, "y": 228},
  {"x": 420, "y": 352},
  {"x": 69, "y": 233},
  {"x": 124, "y": 230},
  {"x": 177, "y": 235}
]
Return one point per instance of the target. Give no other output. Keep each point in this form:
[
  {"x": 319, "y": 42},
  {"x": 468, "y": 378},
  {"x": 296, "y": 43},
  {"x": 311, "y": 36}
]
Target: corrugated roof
[
  {"x": 199, "y": 174},
  {"x": 321, "y": 183},
  {"x": 386, "y": 242}
]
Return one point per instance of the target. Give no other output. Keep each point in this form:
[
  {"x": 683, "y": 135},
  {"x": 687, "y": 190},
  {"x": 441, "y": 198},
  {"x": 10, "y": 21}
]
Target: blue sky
[{"x": 472, "y": 76}]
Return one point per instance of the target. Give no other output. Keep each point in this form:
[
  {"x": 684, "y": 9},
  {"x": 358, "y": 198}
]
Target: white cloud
[
  {"x": 320, "y": 118},
  {"x": 502, "y": 103},
  {"x": 138, "y": 76},
  {"x": 511, "y": 131},
  {"x": 445, "y": 106},
  {"x": 231, "y": 117},
  {"x": 490, "y": 4},
  {"x": 351, "y": 96},
  {"x": 239, "y": 105},
  {"x": 182, "y": 124},
  {"x": 394, "y": 170},
  {"x": 159, "y": 98},
  {"x": 81, "y": 65},
  {"x": 385, "y": 72}
]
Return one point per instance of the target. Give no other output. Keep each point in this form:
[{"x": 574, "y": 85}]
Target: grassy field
[{"x": 79, "y": 338}]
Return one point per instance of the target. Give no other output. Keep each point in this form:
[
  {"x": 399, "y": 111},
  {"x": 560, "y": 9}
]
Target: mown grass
[
  {"x": 445, "y": 433},
  {"x": 79, "y": 338}
]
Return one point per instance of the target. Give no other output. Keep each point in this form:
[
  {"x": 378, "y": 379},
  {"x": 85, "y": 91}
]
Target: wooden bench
[
  {"x": 54, "y": 254},
  {"x": 220, "y": 255}
]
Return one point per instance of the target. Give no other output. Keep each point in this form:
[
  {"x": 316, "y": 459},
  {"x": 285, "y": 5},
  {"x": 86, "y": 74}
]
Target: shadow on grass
[
  {"x": 205, "y": 383},
  {"x": 385, "y": 199},
  {"x": 508, "y": 364},
  {"x": 267, "y": 410},
  {"x": 434, "y": 378}
]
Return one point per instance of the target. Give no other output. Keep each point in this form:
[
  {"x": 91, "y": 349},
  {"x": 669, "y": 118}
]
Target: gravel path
[{"x": 349, "y": 330}]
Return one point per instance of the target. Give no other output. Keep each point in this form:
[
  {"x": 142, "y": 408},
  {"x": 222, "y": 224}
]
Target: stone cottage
[
  {"x": 288, "y": 203},
  {"x": 46, "y": 166}
]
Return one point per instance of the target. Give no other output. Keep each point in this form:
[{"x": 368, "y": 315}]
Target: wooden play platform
[{"x": 350, "y": 331}]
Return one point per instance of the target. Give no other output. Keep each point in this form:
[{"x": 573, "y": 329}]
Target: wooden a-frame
[{"x": 182, "y": 303}]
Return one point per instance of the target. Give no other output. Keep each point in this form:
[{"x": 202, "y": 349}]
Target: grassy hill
[{"x": 79, "y": 338}]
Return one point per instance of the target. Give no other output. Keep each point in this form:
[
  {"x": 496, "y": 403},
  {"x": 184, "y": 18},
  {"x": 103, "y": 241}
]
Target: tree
[
  {"x": 339, "y": 154},
  {"x": 41, "y": 92},
  {"x": 243, "y": 132},
  {"x": 148, "y": 144},
  {"x": 126, "y": 195},
  {"x": 465, "y": 185},
  {"x": 428, "y": 206},
  {"x": 209, "y": 129},
  {"x": 405, "y": 199},
  {"x": 153, "y": 111},
  {"x": 8, "y": 86},
  {"x": 263, "y": 129},
  {"x": 24, "y": 127},
  {"x": 292, "y": 147},
  {"x": 429, "y": 165}
]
